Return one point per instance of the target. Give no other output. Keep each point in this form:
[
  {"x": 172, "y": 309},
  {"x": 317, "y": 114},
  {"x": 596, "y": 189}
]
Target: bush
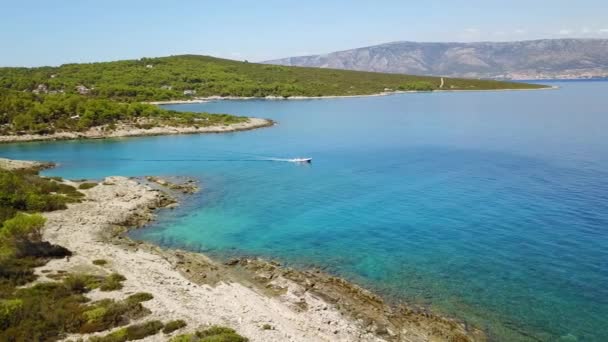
[
  {"x": 47, "y": 311},
  {"x": 112, "y": 283},
  {"x": 81, "y": 283},
  {"x": 86, "y": 186},
  {"x": 130, "y": 333},
  {"x": 139, "y": 297},
  {"x": 173, "y": 326},
  {"x": 106, "y": 314},
  {"x": 23, "y": 227},
  {"x": 213, "y": 334},
  {"x": 22, "y": 191}
]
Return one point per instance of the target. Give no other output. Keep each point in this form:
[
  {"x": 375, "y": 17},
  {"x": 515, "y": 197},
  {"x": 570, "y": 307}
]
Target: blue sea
[{"x": 491, "y": 207}]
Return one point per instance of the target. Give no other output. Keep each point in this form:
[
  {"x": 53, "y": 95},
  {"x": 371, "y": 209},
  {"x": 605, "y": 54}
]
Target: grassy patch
[
  {"x": 82, "y": 282},
  {"x": 22, "y": 191},
  {"x": 173, "y": 326},
  {"x": 48, "y": 311},
  {"x": 86, "y": 186},
  {"x": 130, "y": 333},
  {"x": 213, "y": 334},
  {"x": 139, "y": 297},
  {"x": 112, "y": 283},
  {"x": 100, "y": 262}
]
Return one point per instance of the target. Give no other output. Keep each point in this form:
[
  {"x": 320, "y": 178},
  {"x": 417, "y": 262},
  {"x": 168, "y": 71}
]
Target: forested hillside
[
  {"x": 79, "y": 96},
  {"x": 178, "y": 77}
]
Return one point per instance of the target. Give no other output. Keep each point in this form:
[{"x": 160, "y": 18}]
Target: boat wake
[
  {"x": 261, "y": 159},
  {"x": 291, "y": 160}
]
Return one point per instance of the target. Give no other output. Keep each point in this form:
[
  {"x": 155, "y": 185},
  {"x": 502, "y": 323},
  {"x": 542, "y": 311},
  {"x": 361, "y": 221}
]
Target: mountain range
[{"x": 531, "y": 59}]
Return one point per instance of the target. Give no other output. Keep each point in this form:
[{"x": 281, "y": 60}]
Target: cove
[{"x": 491, "y": 207}]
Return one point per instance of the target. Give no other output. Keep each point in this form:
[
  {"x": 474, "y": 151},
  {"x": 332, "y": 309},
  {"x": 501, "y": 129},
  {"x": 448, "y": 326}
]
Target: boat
[{"x": 301, "y": 160}]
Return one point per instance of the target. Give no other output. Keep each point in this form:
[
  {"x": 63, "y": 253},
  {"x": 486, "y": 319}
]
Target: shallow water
[{"x": 489, "y": 206}]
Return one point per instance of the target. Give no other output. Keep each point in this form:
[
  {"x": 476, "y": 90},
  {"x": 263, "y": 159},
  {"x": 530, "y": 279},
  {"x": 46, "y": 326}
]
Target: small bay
[{"x": 491, "y": 207}]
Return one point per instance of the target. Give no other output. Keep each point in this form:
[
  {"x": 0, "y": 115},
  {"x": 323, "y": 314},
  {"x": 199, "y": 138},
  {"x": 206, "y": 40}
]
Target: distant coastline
[{"x": 295, "y": 98}]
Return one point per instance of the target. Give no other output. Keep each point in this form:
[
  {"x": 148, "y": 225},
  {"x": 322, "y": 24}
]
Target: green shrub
[
  {"x": 100, "y": 262},
  {"x": 17, "y": 231},
  {"x": 22, "y": 191},
  {"x": 139, "y": 297},
  {"x": 130, "y": 333},
  {"x": 106, "y": 314},
  {"x": 112, "y": 283},
  {"x": 81, "y": 283},
  {"x": 173, "y": 326},
  {"x": 47, "y": 311},
  {"x": 213, "y": 334},
  {"x": 8, "y": 309},
  {"x": 86, "y": 186}
]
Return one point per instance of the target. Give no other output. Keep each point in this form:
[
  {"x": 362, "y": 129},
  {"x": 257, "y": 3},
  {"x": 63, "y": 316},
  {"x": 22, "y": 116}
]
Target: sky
[{"x": 34, "y": 33}]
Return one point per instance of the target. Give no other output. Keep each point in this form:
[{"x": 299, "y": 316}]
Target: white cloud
[
  {"x": 471, "y": 30},
  {"x": 520, "y": 31},
  {"x": 603, "y": 31},
  {"x": 565, "y": 32}
]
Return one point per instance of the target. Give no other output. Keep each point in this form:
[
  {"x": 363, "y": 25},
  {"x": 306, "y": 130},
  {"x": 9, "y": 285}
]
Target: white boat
[{"x": 301, "y": 160}]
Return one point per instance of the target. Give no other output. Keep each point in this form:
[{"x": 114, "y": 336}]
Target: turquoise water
[{"x": 489, "y": 206}]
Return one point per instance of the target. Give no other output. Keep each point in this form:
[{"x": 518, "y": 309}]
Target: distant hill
[
  {"x": 176, "y": 77},
  {"x": 76, "y": 97},
  {"x": 533, "y": 59}
]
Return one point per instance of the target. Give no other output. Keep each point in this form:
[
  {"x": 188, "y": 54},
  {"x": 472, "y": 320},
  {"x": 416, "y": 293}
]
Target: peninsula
[
  {"x": 112, "y": 99},
  {"x": 68, "y": 271}
]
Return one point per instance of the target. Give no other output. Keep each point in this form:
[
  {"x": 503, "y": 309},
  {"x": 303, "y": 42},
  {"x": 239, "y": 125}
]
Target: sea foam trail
[{"x": 261, "y": 159}]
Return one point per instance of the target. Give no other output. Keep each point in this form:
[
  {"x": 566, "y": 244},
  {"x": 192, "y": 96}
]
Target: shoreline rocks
[{"x": 126, "y": 130}]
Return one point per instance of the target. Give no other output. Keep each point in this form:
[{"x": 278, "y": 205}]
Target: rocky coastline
[
  {"x": 129, "y": 130},
  {"x": 262, "y": 300}
]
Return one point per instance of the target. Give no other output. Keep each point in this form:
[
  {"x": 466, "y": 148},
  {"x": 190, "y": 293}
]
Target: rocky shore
[
  {"x": 12, "y": 165},
  {"x": 325, "y": 97},
  {"x": 261, "y": 300},
  {"x": 127, "y": 130}
]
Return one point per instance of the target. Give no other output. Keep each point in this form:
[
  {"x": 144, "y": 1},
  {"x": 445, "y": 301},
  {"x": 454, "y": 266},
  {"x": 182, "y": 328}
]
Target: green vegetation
[
  {"x": 86, "y": 186},
  {"x": 48, "y": 311},
  {"x": 173, "y": 326},
  {"x": 75, "y": 97},
  {"x": 22, "y": 191},
  {"x": 139, "y": 297},
  {"x": 22, "y": 195},
  {"x": 25, "y": 112},
  {"x": 165, "y": 78},
  {"x": 417, "y": 86},
  {"x": 213, "y": 334},
  {"x": 132, "y": 332}
]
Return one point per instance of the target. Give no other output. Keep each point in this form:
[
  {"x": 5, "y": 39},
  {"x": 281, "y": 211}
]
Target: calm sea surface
[{"x": 488, "y": 206}]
